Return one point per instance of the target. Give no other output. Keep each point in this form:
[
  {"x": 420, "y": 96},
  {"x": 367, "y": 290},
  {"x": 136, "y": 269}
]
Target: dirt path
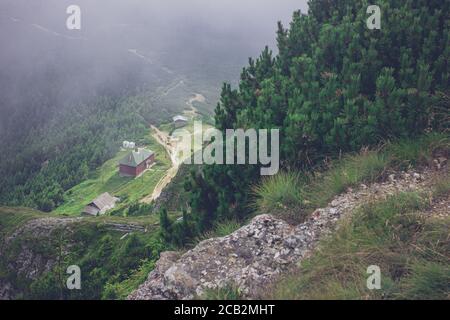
[
  {"x": 193, "y": 111},
  {"x": 179, "y": 83},
  {"x": 171, "y": 147},
  {"x": 163, "y": 139}
]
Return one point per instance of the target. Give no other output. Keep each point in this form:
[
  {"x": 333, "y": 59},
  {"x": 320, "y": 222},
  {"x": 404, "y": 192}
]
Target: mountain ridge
[{"x": 255, "y": 256}]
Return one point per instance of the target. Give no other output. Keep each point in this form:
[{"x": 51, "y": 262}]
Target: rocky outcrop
[
  {"x": 40, "y": 228},
  {"x": 34, "y": 247},
  {"x": 30, "y": 263},
  {"x": 255, "y": 255},
  {"x": 21, "y": 251},
  {"x": 250, "y": 257}
]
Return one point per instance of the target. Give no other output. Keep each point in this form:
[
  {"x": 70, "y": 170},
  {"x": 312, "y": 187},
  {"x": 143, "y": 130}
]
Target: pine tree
[
  {"x": 334, "y": 86},
  {"x": 165, "y": 225}
]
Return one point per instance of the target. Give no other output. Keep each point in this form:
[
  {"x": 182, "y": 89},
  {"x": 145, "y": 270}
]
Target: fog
[
  {"x": 124, "y": 45},
  {"x": 172, "y": 17}
]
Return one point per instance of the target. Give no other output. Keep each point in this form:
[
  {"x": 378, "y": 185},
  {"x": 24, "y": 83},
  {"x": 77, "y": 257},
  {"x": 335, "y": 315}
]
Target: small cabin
[
  {"x": 136, "y": 162},
  {"x": 180, "y": 121},
  {"x": 100, "y": 205}
]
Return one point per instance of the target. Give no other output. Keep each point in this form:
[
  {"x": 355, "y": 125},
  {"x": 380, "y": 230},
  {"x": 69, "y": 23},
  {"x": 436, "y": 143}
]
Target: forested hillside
[
  {"x": 335, "y": 87},
  {"x": 60, "y": 154},
  {"x": 68, "y": 99}
]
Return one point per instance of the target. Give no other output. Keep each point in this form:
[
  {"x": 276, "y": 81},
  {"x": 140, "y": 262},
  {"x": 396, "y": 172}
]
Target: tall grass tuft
[
  {"x": 226, "y": 293},
  {"x": 442, "y": 186},
  {"x": 226, "y": 227},
  {"x": 279, "y": 195},
  {"x": 221, "y": 229},
  {"x": 420, "y": 151},
  {"x": 292, "y": 196},
  {"x": 427, "y": 280},
  {"x": 351, "y": 171}
]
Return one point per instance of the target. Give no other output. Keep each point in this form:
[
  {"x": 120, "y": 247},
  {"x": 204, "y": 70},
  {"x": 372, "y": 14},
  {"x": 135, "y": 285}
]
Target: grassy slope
[
  {"x": 107, "y": 179},
  {"x": 413, "y": 252},
  {"x": 294, "y": 195}
]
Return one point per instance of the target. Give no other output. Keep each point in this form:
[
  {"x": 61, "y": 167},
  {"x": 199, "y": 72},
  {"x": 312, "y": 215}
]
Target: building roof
[
  {"x": 91, "y": 210},
  {"x": 179, "y": 118},
  {"x": 135, "y": 158},
  {"x": 105, "y": 200}
]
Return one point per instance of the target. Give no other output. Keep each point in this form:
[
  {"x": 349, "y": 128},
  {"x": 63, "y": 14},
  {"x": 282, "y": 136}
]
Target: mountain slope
[
  {"x": 253, "y": 257},
  {"x": 334, "y": 87}
]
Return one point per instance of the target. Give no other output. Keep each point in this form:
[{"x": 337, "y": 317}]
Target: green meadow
[{"x": 107, "y": 179}]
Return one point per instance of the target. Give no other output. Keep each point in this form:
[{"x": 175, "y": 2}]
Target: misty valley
[{"x": 227, "y": 150}]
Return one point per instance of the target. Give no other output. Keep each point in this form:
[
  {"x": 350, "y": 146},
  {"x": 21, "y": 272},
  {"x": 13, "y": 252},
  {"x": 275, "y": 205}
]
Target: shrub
[{"x": 427, "y": 280}]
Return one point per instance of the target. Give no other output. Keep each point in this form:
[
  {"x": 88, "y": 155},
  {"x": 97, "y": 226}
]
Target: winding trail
[
  {"x": 193, "y": 111},
  {"x": 171, "y": 147},
  {"x": 163, "y": 139}
]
